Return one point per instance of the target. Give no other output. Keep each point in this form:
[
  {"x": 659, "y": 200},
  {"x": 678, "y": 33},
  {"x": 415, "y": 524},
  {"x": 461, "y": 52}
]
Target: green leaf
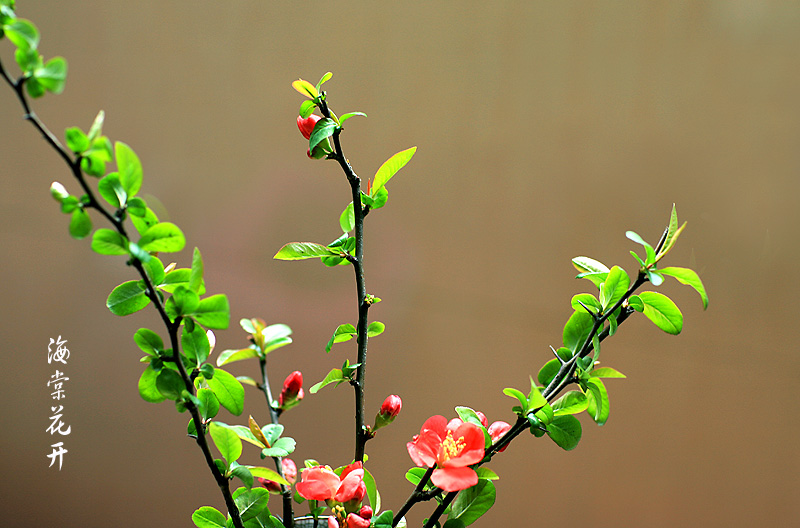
[
  {"x": 333, "y": 376},
  {"x": 636, "y": 303},
  {"x": 163, "y": 237},
  {"x": 344, "y": 332},
  {"x": 145, "y": 222},
  {"x": 662, "y": 311},
  {"x": 415, "y": 474},
  {"x": 34, "y": 87},
  {"x": 390, "y": 168},
  {"x": 195, "y": 344},
  {"x": 137, "y": 206},
  {"x": 565, "y": 431},
  {"x": 590, "y": 269},
  {"x": 269, "y": 474},
  {"x": 347, "y": 219},
  {"x": 183, "y": 302},
  {"x": 614, "y": 287},
  {"x": 149, "y": 341},
  {"x": 170, "y": 384},
  {"x": 127, "y": 298},
  {"x": 520, "y": 396},
  {"x": 535, "y": 398},
  {"x": 22, "y": 33},
  {"x": 384, "y": 520},
  {"x": 174, "y": 279},
  {"x": 77, "y": 141},
  {"x": 129, "y": 168},
  {"x": 110, "y": 188},
  {"x": 228, "y": 444},
  {"x": 372, "y": 491},
  {"x": 28, "y": 59},
  {"x": 208, "y": 517},
  {"x": 473, "y": 502},
  {"x": 325, "y": 78},
  {"x": 305, "y": 88},
  {"x": 196, "y": 277},
  {"x": 213, "y": 312},
  {"x": 587, "y": 299},
  {"x": 155, "y": 270},
  {"x": 572, "y": 402},
  {"x": 303, "y": 250},
  {"x": 606, "y": 372},
  {"x": 53, "y": 75},
  {"x": 324, "y": 129},
  {"x": 577, "y": 330},
  {"x": 597, "y": 396},
  {"x": 548, "y": 372},
  {"x": 454, "y": 523},
  {"x": 673, "y": 231},
  {"x": 80, "y": 225},
  {"x": 690, "y": 278},
  {"x": 375, "y": 328},
  {"x": 108, "y": 242},
  {"x": 209, "y": 404},
  {"x": 348, "y": 115},
  {"x": 251, "y": 502},
  {"x": 281, "y": 448},
  {"x": 228, "y": 390},
  {"x": 147, "y": 386},
  {"x": 97, "y": 126},
  {"x": 231, "y": 355},
  {"x": 243, "y": 474},
  {"x": 307, "y": 108}
]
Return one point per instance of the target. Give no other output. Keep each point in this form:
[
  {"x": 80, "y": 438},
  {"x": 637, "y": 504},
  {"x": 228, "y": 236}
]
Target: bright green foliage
[
  {"x": 303, "y": 250},
  {"x": 565, "y": 431},
  {"x": 372, "y": 490},
  {"x": 228, "y": 390},
  {"x": 473, "y": 502},
  {"x": 228, "y": 443},
  {"x": 390, "y": 168},
  {"x": 147, "y": 386},
  {"x": 112, "y": 191},
  {"x": 149, "y": 341},
  {"x": 77, "y": 141},
  {"x": 590, "y": 269},
  {"x": 660, "y": 309},
  {"x": 577, "y": 330},
  {"x": 334, "y": 376},
  {"x": 127, "y": 298},
  {"x": 548, "y": 372},
  {"x": 213, "y": 312},
  {"x": 268, "y": 473},
  {"x": 597, "y": 399},
  {"x": 347, "y": 220},
  {"x": 251, "y": 502},
  {"x": 53, "y": 75},
  {"x": 163, "y": 237},
  {"x": 572, "y": 402},
  {"x": 689, "y": 277},
  {"x": 615, "y": 286},
  {"x": 108, "y": 242},
  {"x": 80, "y": 225},
  {"x": 208, "y": 517},
  {"x": 344, "y": 332},
  {"x": 170, "y": 384},
  {"x": 195, "y": 344},
  {"x": 209, "y": 404}
]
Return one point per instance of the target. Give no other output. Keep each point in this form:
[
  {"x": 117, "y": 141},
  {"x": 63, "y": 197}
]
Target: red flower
[
  {"x": 451, "y": 448},
  {"x": 292, "y": 391},
  {"x": 356, "y": 521},
  {"x": 289, "y": 473},
  {"x": 321, "y": 483},
  {"x": 306, "y": 125},
  {"x": 497, "y": 430}
]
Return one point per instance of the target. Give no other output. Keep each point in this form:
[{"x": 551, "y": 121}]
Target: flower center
[{"x": 451, "y": 447}]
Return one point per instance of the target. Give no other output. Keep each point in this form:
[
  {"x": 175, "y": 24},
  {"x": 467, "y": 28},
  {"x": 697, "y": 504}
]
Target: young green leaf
[
  {"x": 108, "y": 242},
  {"x": 77, "y": 141},
  {"x": 213, "y": 312},
  {"x": 347, "y": 220},
  {"x": 127, "y": 298},
  {"x": 662, "y": 312},
  {"x": 573, "y": 402},
  {"x": 110, "y": 188},
  {"x": 228, "y": 444},
  {"x": 375, "y": 328},
  {"x": 307, "y": 108},
  {"x": 195, "y": 343},
  {"x": 129, "y": 168},
  {"x": 305, "y": 88},
  {"x": 590, "y": 269},
  {"x": 170, "y": 384},
  {"x": 324, "y": 129},
  {"x": 348, "y": 115},
  {"x": 80, "y": 225},
  {"x": 690, "y": 278},
  {"x": 22, "y": 33},
  {"x": 228, "y": 390},
  {"x": 164, "y": 237},
  {"x": 597, "y": 398},
  {"x": 548, "y": 372},
  {"x": 303, "y": 250},
  {"x": 372, "y": 491},
  {"x": 269, "y": 474},
  {"x": 149, "y": 341},
  {"x": 344, "y": 332},
  {"x": 473, "y": 502},
  {"x": 588, "y": 300},
  {"x": 334, "y": 376},
  {"x": 325, "y": 78},
  {"x": 208, "y": 517},
  {"x": 231, "y": 355},
  {"x": 196, "y": 276},
  {"x": 606, "y": 372},
  {"x": 53, "y": 75},
  {"x": 390, "y": 168},
  {"x": 147, "y": 386},
  {"x": 577, "y": 330},
  {"x": 565, "y": 431},
  {"x": 209, "y": 404},
  {"x": 614, "y": 287}
]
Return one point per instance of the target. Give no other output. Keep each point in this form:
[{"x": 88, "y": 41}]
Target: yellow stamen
[{"x": 451, "y": 447}]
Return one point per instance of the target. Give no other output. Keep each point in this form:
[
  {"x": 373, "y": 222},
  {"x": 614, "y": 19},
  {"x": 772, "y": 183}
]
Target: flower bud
[
  {"x": 356, "y": 521},
  {"x": 306, "y": 125},
  {"x": 289, "y": 473},
  {"x": 497, "y": 430},
  {"x": 482, "y": 418},
  {"x": 292, "y": 391},
  {"x": 389, "y": 410},
  {"x": 365, "y": 512}
]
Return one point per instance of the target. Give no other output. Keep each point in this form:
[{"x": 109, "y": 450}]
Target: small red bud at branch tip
[
  {"x": 292, "y": 391},
  {"x": 306, "y": 125}
]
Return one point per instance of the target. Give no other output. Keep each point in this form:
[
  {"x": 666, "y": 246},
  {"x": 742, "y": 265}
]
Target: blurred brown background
[{"x": 545, "y": 131}]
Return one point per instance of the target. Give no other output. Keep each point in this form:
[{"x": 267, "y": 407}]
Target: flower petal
[{"x": 454, "y": 479}]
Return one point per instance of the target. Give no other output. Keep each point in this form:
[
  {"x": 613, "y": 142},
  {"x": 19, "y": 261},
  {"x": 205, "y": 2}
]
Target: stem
[
  {"x": 172, "y": 327},
  {"x": 286, "y": 493},
  {"x": 357, "y": 261},
  {"x": 416, "y": 496}
]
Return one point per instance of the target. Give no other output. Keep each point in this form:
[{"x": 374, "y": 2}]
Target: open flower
[
  {"x": 451, "y": 448},
  {"x": 321, "y": 483}
]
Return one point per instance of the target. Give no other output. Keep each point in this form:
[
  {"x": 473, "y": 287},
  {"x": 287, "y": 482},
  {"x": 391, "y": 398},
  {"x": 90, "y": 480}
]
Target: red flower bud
[
  {"x": 356, "y": 521},
  {"x": 289, "y": 473},
  {"x": 365, "y": 512},
  {"x": 292, "y": 391},
  {"x": 306, "y": 125},
  {"x": 497, "y": 430},
  {"x": 389, "y": 410},
  {"x": 482, "y": 418}
]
